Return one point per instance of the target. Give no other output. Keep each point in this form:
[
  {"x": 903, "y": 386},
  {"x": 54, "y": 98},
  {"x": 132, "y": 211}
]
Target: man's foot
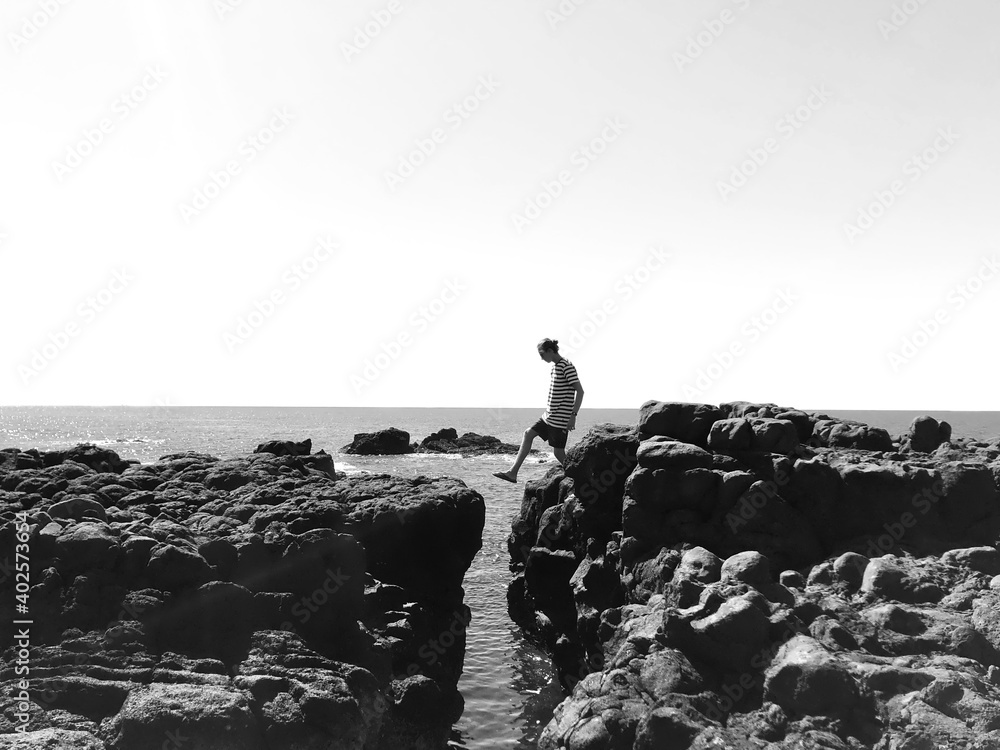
[{"x": 506, "y": 476}]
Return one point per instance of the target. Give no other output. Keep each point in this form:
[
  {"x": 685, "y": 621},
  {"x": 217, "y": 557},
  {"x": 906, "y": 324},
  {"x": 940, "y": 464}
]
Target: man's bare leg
[
  {"x": 511, "y": 474},
  {"x": 560, "y": 454}
]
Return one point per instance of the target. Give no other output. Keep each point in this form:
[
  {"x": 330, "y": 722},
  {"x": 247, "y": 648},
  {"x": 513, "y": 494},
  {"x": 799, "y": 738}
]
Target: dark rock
[
  {"x": 749, "y": 567},
  {"x": 419, "y": 699},
  {"x": 926, "y": 434},
  {"x": 689, "y": 423},
  {"x": 773, "y": 435},
  {"x": 700, "y": 565},
  {"x": 87, "y": 545},
  {"x": 204, "y": 715},
  {"x": 547, "y": 577},
  {"x": 98, "y": 459},
  {"x": 383, "y": 442},
  {"x": 78, "y": 508},
  {"x": 850, "y": 568},
  {"x": 804, "y": 423},
  {"x": 448, "y": 433},
  {"x": 730, "y": 435},
  {"x": 600, "y": 463},
  {"x": 666, "y": 728},
  {"x": 226, "y": 600},
  {"x": 285, "y": 447},
  {"x": 985, "y": 560},
  {"x": 874, "y": 650},
  {"x": 731, "y": 636},
  {"x": 835, "y": 433},
  {"x": 172, "y": 567},
  {"x": 665, "y": 453},
  {"x": 792, "y": 579},
  {"x": 804, "y": 679},
  {"x": 469, "y": 444},
  {"x": 527, "y": 529},
  {"x": 52, "y": 739}
]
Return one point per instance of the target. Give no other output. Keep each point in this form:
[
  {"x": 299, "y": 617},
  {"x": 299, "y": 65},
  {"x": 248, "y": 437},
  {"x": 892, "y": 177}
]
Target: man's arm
[{"x": 577, "y": 403}]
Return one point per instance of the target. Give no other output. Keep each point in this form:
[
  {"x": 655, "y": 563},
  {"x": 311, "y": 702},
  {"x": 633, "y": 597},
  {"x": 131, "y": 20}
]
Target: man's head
[{"x": 548, "y": 349}]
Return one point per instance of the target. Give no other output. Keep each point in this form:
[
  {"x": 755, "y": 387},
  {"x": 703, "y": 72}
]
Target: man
[{"x": 565, "y": 398}]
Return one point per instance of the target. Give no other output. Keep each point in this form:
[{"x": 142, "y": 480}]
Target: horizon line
[{"x": 925, "y": 410}]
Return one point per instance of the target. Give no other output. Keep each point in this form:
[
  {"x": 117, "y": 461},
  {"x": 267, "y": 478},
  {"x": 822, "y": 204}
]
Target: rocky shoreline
[
  {"x": 263, "y": 602},
  {"x": 750, "y": 576}
]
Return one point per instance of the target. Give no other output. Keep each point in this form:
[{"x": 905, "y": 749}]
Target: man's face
[{"x": 546, "y": 354}]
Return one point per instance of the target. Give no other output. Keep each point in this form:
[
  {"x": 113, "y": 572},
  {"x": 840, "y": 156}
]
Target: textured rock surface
[
  {"x": 777, "y": 579},
  {"x": 262, "y": 602},
  {"x": 468, "y": 444},
  {"x": 391, "y": 441}
]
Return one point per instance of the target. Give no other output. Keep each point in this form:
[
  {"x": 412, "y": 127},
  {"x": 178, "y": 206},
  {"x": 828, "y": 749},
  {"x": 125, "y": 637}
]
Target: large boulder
[
  {"x": 730, "y": 435},
  {"x": 926, "y": 434},
  {"x": 391, "y": 441},
  {"x": 600, "y": 463},
  {"x": 773, "y": 435},
  {"x": 285, "y": 447},
  {"x": 843, "y": 433},
  {"x": 665, "y": 453},
  {"x": 805, "y": 679},
  {"x": 87, "y": 545},
  {"x": 99, "y": 459},
  {"x": 201, "y": 717},
  {"x": 731, "y": 636},
  {"x": 690, "y": 423}
]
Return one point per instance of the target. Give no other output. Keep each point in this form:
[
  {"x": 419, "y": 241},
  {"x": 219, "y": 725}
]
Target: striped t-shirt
[{"x": 562, "y": 394}]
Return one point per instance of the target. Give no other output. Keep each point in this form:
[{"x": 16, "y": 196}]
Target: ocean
[{"x": 508, "y": 685}]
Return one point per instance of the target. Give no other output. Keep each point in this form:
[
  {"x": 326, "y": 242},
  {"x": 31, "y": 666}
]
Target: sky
[{"x": 388, "y": 203}]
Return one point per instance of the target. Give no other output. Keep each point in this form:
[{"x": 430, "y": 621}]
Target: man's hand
[{"x": 572, "y": 422}]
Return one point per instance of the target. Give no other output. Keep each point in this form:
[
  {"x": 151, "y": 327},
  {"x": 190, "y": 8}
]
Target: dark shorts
[{"x": 551, "y": 435}]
